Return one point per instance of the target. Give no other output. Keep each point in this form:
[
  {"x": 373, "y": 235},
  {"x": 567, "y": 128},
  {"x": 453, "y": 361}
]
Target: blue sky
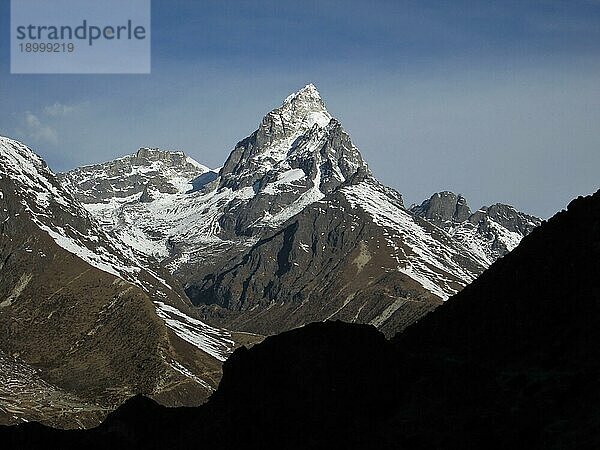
[{"x": 499, "y": 101}]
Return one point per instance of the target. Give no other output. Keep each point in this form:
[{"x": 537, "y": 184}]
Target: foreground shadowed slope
[
  {"x": 307, "y": 387},
  {"x": 540, "y": 304},
  {"x": 513, "y": 359},
  {"x": 510, "y": 362}
]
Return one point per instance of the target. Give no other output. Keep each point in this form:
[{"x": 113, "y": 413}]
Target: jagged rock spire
[
  {"x": 301, "y": 133},
  {"x": 443, "y": 208}
]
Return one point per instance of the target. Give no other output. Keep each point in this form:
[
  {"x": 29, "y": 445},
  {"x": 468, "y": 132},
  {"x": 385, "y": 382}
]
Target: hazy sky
[{"x": 499, "y": 101}]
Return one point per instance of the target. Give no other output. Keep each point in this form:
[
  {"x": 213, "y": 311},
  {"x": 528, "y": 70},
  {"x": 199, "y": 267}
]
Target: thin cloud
[
  {"x": 37, "y": 131},
  {"x": 59, "y": 109}
]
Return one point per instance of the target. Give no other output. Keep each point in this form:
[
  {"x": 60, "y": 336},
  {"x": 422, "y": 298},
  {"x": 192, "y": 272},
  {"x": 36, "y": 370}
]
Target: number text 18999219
[{"x": 50, "y": 47}]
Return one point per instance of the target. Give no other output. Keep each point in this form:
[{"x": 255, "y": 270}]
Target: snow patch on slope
[
  {"x": 214, "y": 341},
  {"x": 178, "y": 367},
  {"x": 40, "y": 191},
  {"x": 313, "y": 195},
  {"x": 419, "y": 255},
  {"x": 283, "y": 181}
]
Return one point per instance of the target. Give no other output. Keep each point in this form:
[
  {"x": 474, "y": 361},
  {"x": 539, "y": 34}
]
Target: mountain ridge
[
  {"x": 74, "y": 299},
  {"x": 296, "y": 166},
  {"x": 500, "y": 365},
  {"x": 491, "y": 231},
  {"x": 293, "y": 229}
]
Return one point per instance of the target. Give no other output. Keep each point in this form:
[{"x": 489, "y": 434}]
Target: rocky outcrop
[
  {"x": 444, "y": 209},
  {"x": 147, "y": 169},
  {"x": 490, "y": 232}
]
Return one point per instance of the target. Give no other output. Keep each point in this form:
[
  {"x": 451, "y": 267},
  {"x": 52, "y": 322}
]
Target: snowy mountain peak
[
  {"x": 52, "y": 208},
  {"x": 305, "y": 106},
  {"x": 307, "y": 95},
  {"x": 156, "y": 153},
  {"x": 300, "y": 111},
  {"x": 308, "y": 91},
  {"x": 135, "y": 176},
  {"x": 171, "y": 158},
  {"x": 301, "y": 133},
  {"x": 25, "y": 169},
  {"x": 16, "y": 152}
]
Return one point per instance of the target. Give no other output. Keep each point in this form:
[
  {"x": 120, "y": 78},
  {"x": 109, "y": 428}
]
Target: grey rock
[
  {"x": 443, "y": 208},
  {"x": 492, "y": 231},
  {"x": 147, "y": 169}
]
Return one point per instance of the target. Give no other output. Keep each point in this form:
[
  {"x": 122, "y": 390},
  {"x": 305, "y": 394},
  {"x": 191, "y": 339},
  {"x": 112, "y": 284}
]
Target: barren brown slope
[{"x": 76, "y": 340}]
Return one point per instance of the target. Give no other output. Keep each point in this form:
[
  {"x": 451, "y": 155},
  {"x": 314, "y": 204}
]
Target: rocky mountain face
[
  {"x": 292, "y": 229},
  {"x": 83, "y": 324},
  {"x": 356, "y": 255},
  {"x": 490, "y": 232},
  {"x": 138, "y": 176},
  {"x": 499, "y": 365}
]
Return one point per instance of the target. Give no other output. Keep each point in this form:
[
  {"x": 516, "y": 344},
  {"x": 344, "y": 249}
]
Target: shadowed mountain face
[
  {"x": 547, "y": 305},
  {"x": 512, "y": 361},
  {"x": 300, "y": 389},
  {"x": 514, "y": 358}
]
